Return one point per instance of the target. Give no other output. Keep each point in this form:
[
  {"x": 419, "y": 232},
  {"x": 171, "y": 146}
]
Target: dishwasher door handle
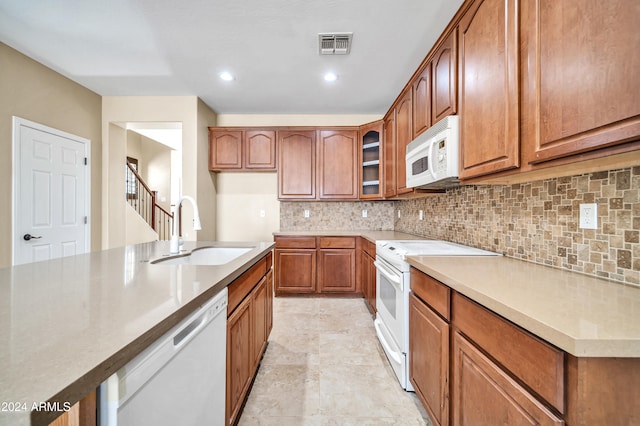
[
  {"x": 193, "y": 328},
  {"x": 190, "y": 331}
]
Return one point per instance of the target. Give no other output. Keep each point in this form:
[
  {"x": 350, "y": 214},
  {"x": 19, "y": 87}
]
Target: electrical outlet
[
  {"x": 364, "y": 213},
  {"x": 306, "y": 213},
  {"x": 589, "y": 216},
  {"x": 398, "y": 214},
  {"x": 421, "y": 214},
  {"x": 262, "y": 213}
]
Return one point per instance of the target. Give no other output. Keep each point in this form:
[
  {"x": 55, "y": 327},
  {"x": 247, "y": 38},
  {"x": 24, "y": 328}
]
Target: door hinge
[
  {"x": 86, "y": 220},
  {"x": 85, "y": 161}
]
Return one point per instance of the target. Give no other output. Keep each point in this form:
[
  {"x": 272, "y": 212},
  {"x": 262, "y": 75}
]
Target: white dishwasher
[{"x": 179, "y": 380}]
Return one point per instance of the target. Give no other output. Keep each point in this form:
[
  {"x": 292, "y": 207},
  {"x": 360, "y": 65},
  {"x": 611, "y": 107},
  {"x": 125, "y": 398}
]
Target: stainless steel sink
[{"x": 211, "y": 256}]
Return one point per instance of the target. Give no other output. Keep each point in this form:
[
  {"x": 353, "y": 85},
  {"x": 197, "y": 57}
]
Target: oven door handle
[
  {"x": 393, "y": 354},
  {"x": 394, "y": 278}
]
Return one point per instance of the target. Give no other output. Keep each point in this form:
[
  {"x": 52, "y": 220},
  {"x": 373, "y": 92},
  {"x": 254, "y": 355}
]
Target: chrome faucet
[{"x": 175, "y": 239}]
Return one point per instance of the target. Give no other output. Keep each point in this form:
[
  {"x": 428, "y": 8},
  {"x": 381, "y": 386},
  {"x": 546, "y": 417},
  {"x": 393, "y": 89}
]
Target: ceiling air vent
[{"x": 335, "y": 43}]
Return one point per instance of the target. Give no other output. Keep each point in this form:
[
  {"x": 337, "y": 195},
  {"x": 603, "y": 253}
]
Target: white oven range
[{"x": 392, "y": 294}]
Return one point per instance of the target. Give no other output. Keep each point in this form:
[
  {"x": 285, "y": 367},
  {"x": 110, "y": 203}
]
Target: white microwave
[{"x": 432, "y": 157}]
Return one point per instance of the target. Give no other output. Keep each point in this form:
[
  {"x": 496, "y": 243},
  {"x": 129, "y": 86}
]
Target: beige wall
[
  {"x": 157, "y": 169},
  {"x": 34, "y": 92},
  {"x": 118, "y": 110},
  {"x": 206, "y": 191},
  {"x": 154, "y": 165},
  {"x": 241, "y": 196},
  {"x": 138, "y": 231}
]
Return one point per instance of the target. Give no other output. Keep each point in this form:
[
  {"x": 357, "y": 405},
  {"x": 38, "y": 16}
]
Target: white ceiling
[{"x": 169, "y": 47}]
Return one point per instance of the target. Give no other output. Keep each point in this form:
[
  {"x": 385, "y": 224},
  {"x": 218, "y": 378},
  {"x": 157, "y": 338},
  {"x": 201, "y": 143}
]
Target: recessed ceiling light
[
  {"x": 330, "y": 76},
  {"x": 226, "y": 76}
]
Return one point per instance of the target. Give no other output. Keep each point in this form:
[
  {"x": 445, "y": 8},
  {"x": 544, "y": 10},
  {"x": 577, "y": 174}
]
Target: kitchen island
[{"x": 67, "y": 324}]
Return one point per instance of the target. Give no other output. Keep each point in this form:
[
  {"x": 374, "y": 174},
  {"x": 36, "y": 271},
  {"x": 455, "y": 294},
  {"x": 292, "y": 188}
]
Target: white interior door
[{"x": 51, "y": 193}]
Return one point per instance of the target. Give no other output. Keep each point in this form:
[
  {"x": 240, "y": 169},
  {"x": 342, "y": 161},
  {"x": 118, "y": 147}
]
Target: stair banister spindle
[{"x": 144, "y": 201}]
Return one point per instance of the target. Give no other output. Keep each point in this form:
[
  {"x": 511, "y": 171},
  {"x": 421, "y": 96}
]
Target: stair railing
[{"x": 144, "y": 202}]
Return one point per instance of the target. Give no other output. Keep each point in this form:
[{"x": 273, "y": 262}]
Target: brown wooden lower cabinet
[
  {"x": 368, "y": 279},
  {"x": 429, "y": 359},
  {"x": 239, "y": 358},
  {"x": 259, "y": 320},
  {"x": 82, "y": 413},
  {"x": 316, "y": 265},
  {"x": 295, "y": 271},
  {"x": 269, "y": 301},
  {"x": 337, "y": 271},
  {"x": 535, "y": 363},
  {"x": 483, "y": 394},
  {"x": 603, "y": 391},
  {"x": 249, "y": 319},
  {"x": 500, "y": 374}
]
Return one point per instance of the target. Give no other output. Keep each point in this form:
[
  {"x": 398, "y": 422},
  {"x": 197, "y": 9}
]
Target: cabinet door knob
[{"x": 28, "y": 237}]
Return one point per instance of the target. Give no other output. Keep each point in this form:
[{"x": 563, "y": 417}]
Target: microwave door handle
[{"x": 431, "y": 155}]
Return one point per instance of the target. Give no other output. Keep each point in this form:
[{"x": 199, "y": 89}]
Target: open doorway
[{"x": 152, "y": 178}]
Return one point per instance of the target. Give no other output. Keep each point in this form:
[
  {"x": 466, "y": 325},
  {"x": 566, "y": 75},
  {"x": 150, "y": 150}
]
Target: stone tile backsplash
[
  {"x": 336, "y": 216},
  {"x": 539, "y": 221},
  {"x": 535, "y": 221}
]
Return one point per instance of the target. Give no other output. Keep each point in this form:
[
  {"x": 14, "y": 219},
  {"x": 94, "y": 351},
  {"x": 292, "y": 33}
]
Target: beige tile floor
[{"x": 324, "y": 366}]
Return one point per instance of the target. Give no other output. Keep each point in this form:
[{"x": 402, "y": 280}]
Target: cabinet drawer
[
  {"x": 533, "y": 361},
  {"x": 296, "y": 242},
  {"x": 432, "y": 292},
  {"x": 337, "y": 242},
  {"x": 242, "y": 286},
  {"x": 369, "y": 247}
]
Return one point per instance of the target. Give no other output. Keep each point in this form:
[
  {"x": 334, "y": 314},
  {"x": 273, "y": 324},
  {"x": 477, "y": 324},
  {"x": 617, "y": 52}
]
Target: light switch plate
[
  {"x": 589, "y": 216},
  {"x": 421, "y": 214},
  {"x": 364, "y": 213}
]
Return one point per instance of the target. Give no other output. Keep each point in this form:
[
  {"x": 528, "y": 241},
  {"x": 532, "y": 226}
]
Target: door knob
[{"x": 28, "y": 237}]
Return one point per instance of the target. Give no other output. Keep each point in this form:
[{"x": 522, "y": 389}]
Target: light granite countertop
[
  {"x": 582, "y": 315},
  {"x": 68, "y": 324}
]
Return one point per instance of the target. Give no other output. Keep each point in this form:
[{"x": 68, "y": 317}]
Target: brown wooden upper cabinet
[
  {"x": 389, "y": 155},
  {"x": 297, "y": 164},
  {"x": 435, "y": 86},
  {"x": 404, "y": 135},
  {"x": 371, "y": 138},
  {"x": 422, "y": 100},
  {"x": 320, "y": 164},
  {"x": 225, "y": 149},
  {"x": 241, "y": 149},
  {"x": 260, "y": 149},
  {"x": 579, "y": 93},
  {"x": 488, "y": 59},
  {"x": 444, "y": 76},
  {"x": 338, "y": 164}
]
